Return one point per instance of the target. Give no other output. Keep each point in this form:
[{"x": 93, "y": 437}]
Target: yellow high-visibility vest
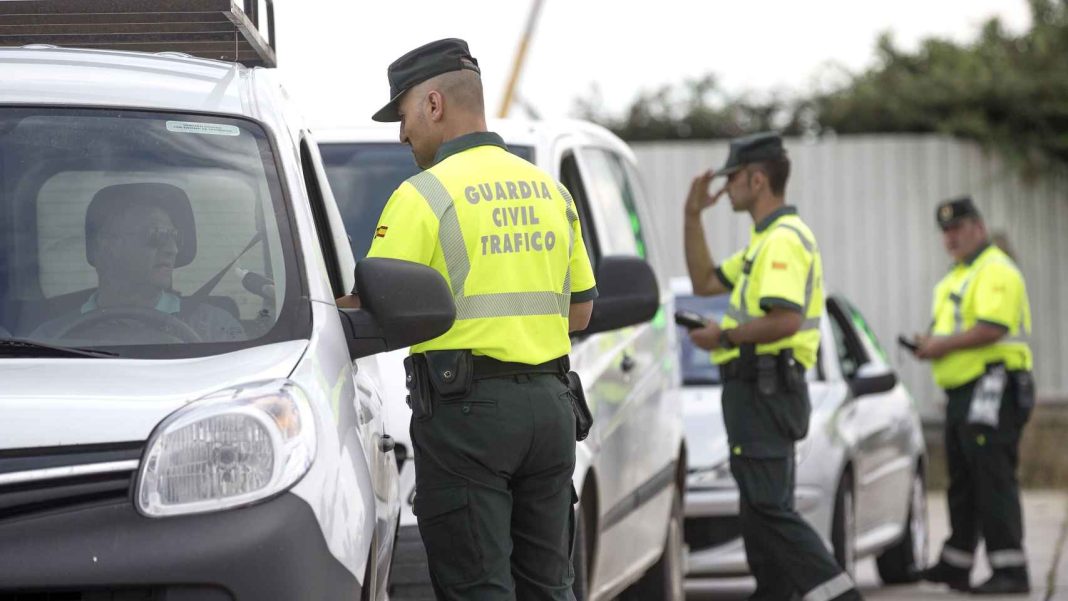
[
  {"x": 780, "y": 267},
  {"x": 987, "y": 289},
  {"x": 507, "y": 239}
]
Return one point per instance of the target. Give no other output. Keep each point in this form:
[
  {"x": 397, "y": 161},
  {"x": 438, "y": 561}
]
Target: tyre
[
  {"x": 903, "y": 562},
  {"x": 664, "y": 580},
  {"x": 844, "y": 527}
]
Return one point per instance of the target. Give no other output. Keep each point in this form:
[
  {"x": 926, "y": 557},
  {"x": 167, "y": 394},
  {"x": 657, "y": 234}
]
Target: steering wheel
[{"x": 158, "y": 320}]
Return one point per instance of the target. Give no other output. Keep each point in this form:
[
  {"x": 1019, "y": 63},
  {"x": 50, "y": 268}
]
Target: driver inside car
[{"x": 136, "y": 235}]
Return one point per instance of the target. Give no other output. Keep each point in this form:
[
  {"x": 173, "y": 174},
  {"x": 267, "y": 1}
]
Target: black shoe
[
  {"x": 955, "y": 578},
  {"x": 1004, "y": 584}
]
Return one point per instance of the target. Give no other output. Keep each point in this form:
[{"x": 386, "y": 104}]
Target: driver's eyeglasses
[{"x": 156, "y": 237}]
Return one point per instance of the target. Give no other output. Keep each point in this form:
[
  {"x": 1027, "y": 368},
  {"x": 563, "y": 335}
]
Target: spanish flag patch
[
  {"x": 778, "y": 265},
  {"x": 380, "y": 232}
]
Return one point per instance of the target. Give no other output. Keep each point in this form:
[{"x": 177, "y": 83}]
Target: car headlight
[
  {"x": 715, "y": 476},
  {"x": 232, "y": 447}
]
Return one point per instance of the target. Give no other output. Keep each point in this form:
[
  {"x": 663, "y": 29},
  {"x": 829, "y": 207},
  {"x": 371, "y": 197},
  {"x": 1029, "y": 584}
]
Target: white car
[
  {"x": 860, "y": 474},
  {"x": 227, "y": 443},
  {"x": 630, "y": 471}
]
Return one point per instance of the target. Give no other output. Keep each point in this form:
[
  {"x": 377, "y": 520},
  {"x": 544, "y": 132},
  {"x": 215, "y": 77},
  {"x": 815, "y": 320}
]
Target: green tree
[{"x": 1007, "y": 92}]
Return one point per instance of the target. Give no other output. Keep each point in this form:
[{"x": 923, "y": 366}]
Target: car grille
[
  {"x": 708, "y": 532},
  {"x": 45, "y": 479}
]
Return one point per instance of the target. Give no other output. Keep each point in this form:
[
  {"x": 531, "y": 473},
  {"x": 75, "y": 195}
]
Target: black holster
[
  {"x": 583, "y": 416},
  {"x": 434, "y": 376},
  {"x": 1024, "y": 381}
]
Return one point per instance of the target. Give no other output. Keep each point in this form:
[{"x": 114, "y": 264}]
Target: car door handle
[
  {"x": 386, "y": 444},
  {"x": 628, "y": 363}
]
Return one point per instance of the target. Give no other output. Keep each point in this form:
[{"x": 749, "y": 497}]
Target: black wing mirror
[
  {"x": 872, "y": 379},
  {"x": 402, "y": 303},
  {"x": 628, "y": 294}
]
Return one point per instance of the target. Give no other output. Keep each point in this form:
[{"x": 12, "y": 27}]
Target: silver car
[
  {"x": 860, "y": 476},
  {"x": 184, "y": 411}
]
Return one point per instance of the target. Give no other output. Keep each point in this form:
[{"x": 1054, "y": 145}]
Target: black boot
[
  {"x": 943, "y": 573},
  {"x": 1005, "y": 582}
]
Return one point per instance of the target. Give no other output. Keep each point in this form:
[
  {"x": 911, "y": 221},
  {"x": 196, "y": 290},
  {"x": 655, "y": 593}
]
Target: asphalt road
[{"x": 1046, "y": 541}]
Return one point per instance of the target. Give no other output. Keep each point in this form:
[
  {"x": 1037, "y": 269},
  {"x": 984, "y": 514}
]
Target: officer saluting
[
  {"x": 493, "y": 426},
  {"x": 980, "y": 357},
  {"x": 768, "y": 338}
]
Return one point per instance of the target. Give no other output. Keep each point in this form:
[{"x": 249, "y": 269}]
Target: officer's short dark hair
[{"x": 777, "y": 172}]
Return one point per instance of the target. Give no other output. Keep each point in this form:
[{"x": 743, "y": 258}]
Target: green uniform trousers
[
  {"x": 493, "y": 490},
  {"x": 984, "y": 495},
  {"x": 786, "y": 556}
]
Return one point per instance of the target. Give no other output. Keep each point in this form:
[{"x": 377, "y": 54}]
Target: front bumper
[
  {"x": 272, "y": 550},
  {"x": 713, "y": 531}
]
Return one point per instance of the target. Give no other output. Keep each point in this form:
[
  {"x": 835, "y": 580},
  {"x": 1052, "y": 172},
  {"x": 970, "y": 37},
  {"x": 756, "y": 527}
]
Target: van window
[
  {"x": 364, "y": 175},
  {"x": 153, "y": 234},
  {"x": 611, "y": 191}
]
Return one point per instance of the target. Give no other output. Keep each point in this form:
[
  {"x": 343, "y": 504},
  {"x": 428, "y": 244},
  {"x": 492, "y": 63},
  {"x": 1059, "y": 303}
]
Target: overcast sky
[{"x": 333, "y": 53}]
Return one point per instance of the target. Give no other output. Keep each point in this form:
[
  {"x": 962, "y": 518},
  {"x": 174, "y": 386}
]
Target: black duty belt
[
  {"x": 745, "y": 368},
  {"x": 488, "y": 367}
]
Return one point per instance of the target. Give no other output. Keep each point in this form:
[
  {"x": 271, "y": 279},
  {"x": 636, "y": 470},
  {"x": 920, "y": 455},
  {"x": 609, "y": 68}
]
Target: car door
[
  {"x": 637, "y": 432},
  {"x": 879, "y": 473},
  {"x": 892, "y": 458},
  {"x": 367, "y": 428}
]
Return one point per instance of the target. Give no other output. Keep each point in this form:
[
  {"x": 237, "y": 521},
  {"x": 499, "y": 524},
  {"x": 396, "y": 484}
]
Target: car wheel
[
  {"x": 410, "y": 580},
  {"x": 664, "y": 581},
  {"x": 580, "y": 558},
  {"x": 904, "y": 561},
  {"x": 844, "y": 528}
]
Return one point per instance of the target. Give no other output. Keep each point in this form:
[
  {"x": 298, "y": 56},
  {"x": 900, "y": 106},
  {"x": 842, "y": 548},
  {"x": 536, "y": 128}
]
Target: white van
[
  {"x": 184, "y": 411},
  {"x": 630, "y": 473}
]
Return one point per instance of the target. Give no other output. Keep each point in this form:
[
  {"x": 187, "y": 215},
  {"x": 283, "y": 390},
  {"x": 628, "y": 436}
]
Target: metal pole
[{"x": 520, "y": 54}]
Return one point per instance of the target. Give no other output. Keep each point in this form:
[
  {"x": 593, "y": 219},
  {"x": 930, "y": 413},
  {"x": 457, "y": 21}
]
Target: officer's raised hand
[{"x": 699, "y": 199}]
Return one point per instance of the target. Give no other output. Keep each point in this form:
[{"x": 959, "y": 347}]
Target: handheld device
[
  {"x": 907, "y": 343},
  {"x": 690, "y": 320}
]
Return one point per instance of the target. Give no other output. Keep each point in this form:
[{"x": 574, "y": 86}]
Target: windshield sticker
[{"x": 212, "y": 129}]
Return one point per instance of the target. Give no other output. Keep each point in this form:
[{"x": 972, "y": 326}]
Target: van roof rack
[{"x": 219, "y": 29}]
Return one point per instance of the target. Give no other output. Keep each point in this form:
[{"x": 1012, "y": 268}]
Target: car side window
[
  {"x": 848, "y": 358},
  {"x": 866, "y": 334},
  {"x": 571, "y": 178},
  {"x": 613, "y": 198},
  {"x": 322, "y": 221}
]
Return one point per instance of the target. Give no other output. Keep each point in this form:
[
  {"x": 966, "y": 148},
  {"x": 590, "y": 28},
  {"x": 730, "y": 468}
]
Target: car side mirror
[
  {"x": 628, "y": 294},
  {"x": 401, "y": 304},
  {"x": 872, "y": 379}
]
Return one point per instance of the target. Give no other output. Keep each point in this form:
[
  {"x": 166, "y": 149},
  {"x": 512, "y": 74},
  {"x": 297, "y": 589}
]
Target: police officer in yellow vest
[
  {"x": 768, "y": 338},
  {"x": 493, "y": 426},
  {"x": 981, "y": 358}
]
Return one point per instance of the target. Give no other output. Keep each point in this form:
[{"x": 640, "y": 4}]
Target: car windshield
[
  {"x": 362, "y": 178},
  {"x": 153, "y": 235},
  {"x": 697, "y": 366}
]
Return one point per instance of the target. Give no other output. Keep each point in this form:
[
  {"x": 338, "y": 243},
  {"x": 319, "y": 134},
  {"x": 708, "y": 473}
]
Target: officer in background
[
  {"x": 492, "y": 420},
  {"x": 768, "y": 338},
  {"x": 980, "y": 357}
]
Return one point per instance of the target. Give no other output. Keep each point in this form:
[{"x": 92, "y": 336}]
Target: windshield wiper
[{"x": 30, "y": 348}]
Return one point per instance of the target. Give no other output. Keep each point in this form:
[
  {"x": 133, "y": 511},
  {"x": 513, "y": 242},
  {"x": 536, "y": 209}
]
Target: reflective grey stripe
[
  {"x": 510, "y": 304},
  {"x": 830, "y": 589},
  {"x": 957, "y": 558},
  {"x": 572, "y": 217},
  {"x": 454, "y": 249},
  {"x": 1008, "y": 558},
  {"x": 743, "y": 316},
  {"x": 449, "y": 233}
]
